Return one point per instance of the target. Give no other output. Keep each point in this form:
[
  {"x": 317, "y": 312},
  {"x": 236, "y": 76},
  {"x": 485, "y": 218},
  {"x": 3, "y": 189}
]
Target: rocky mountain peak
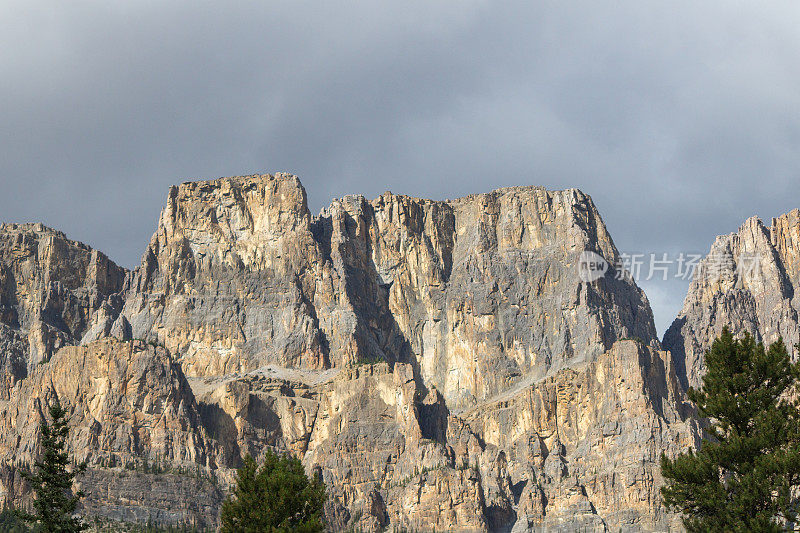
[
  {"x": 396, "y": 278},
  {"x": 231, "y": 219},
  {"x": 747, "y": 282}
]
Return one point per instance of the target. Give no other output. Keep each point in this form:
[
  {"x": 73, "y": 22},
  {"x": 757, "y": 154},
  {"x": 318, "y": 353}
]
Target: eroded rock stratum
[{"x": 439, "y": 363}]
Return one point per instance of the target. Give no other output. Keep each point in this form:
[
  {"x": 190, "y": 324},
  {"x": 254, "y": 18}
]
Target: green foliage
[
  {"x": 364, "y": 361},
  {"x": 278, "y": 497},
  {"x": 745, "y": 475},
  {"x": 635, "y": 339},
  {"x": 54, "y": 505},
  {"x": 10, "y": 522}
]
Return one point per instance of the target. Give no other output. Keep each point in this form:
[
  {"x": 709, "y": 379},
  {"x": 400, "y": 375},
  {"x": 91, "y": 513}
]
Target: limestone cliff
[
  {"x": 132, "y": 414},
  {"x": 231, "y": 276},
  {"x": 579, "y": 449},
  {"x": 748, "y": 282},
  {"x": 51, "y": 290},
  {"x": 475, "y": 293},
  {"x": 479, "y": 292},
  {"x": 439, "y": 363}
]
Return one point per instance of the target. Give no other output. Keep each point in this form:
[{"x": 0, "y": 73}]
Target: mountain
[
  {"x": 748, "y": 282},
  {"x": 440, "y": 364},
  {"x": 240, "y": 275}
]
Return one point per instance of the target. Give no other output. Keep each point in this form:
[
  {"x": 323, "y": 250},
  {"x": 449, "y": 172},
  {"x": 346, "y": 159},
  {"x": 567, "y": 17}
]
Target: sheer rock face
[
  {"x": 51, "y": 291},
  {"x": 474, "y": 293},
  {"x": 748, "y": 282},
  {"x": 381, "y": 448},
  {"x": 373, "y": 435},
  {"x": 229, "y": 278},
  {"x": 128, "y": 401},
  {"x": 580, "y": 448},
  {"x": 131, "y": 414},
  {"x": 478, "y": 292}
]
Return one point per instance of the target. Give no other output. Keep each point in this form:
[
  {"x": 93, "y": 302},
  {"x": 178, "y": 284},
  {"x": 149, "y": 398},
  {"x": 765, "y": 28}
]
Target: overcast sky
[{"x": 681, "y": 119}]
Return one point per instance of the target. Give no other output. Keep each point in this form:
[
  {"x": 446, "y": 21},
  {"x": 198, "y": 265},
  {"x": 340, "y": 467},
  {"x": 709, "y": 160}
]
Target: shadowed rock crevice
[{"x": 222, "y": 428}]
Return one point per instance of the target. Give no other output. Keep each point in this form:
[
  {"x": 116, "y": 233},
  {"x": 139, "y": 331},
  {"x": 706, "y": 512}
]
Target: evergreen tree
[
  {"x": 278, "y": 497},
  {"x": 746, "y": 473},
  {"x": 54, "y": 505}
]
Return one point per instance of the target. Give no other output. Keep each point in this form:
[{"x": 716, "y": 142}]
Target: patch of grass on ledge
[
  {"x": 635, "y": 339},
  {"x": 367, "y": 361}
]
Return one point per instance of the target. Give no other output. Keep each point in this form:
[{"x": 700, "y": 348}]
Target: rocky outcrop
[
  {"x": 474, "y": 293},
  {"x": 230, "y": 278},
  {"x": 378, "y": 442},
  {"x": 51, "y": 291},
  {"x": 581, "y": 449},
  {"x": 479, "y": 292},
  {"x": 440, "y": 364},
  {"x": 381, "y": 448},
  {"x": 128, "y": 402},
  {"x": 132, "y": 415},
  {"x": 748, "y": 282}
]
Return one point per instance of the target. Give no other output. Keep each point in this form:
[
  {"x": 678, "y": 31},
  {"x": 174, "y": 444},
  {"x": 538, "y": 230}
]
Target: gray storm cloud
[{"x": 681, "y": 119}]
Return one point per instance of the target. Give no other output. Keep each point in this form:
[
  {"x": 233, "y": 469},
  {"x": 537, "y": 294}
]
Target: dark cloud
[{"x": 681, "y": 119}]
